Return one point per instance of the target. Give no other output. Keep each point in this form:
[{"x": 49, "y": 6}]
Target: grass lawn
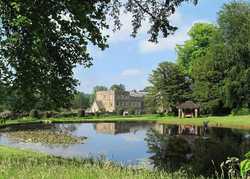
[
  {"x": 225, "y": 121},
  {"x": 24, "y": 164}
]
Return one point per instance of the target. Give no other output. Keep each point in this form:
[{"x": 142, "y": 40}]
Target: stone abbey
[{"x": 113, "y": 101}]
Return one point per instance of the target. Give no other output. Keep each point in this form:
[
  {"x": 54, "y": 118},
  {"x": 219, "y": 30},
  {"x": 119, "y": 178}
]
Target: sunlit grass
[
  {"x": 224, "y": 121},
  {"x": 23, "y": 164}
]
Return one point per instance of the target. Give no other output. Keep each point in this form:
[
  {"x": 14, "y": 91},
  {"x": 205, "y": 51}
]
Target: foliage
[
  {"x": 34, "y": 113},
  {"x": 42, "y": 41},
  {"x": 195, "y": 48},
  {"x": 213, "y": 67},
  {"x": 169, "y": 86},
  {"x": 168, "y": 152},
  {"x": 81, "y": 113},
  {"x": 245, "y": 165},
  {"x": 241, "y": 111},
  {"x": 118, "y": 88},
  {"x": 234, "y": 23},
  {"x": 232, "y": 167},
  {"x": 131, "y": 111},
  {"x": 81, "y": 100},
  {"x": 207, "y": 84},
  {"x": 221, "y": 78}
]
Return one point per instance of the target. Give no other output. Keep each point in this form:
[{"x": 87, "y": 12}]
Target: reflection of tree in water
[
  {"x": 169, "y": 152},
  {"x": 203, "y": 155}
]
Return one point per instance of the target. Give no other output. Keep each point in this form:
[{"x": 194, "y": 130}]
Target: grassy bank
[
  {"x": 225, "y": 121},
  {"x": 20, "y": 164}
]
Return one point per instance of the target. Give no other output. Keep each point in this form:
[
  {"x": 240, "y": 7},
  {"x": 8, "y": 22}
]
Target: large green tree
[
  {"x": 169, "y": 86},
  {"x": 234, "y": 22},
  {"x": 221, "y": 77},
  {"x": 197, "y": 47},
  {"x": 42, "y": 41}
]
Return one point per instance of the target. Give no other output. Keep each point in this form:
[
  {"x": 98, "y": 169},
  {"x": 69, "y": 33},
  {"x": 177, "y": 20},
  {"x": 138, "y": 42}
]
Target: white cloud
[
  {"x": 168, "y": 43},
  {"x": 131, "y": 72}
]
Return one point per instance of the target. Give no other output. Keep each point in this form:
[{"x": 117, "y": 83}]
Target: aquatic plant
[{"x": 45, "y": 137}]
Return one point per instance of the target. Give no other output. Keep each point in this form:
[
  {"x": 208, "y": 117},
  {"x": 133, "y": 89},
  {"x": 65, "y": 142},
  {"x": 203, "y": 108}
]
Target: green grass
[
  {"x": 225, "y": 121},
  {"x": 23, "y": 164}
]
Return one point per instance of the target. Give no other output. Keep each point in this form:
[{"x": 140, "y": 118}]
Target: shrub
[
  {"x": 7, "y": 115},
  {"x": 81, "y": 113},
  {"x": 131, "y": 111},
  {"x": 97, "y": 114},
  {"x": 160, "y": 114},
  {"x": 68, "y": 114},
  {"x": 241, "y": 111},
  {"x": 34, "y": 113},
  {"x": 120, "y": 111},
  {"x": 50, "y": 114}
]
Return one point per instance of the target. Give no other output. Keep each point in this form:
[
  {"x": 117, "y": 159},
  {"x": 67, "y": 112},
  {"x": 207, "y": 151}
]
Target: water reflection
[
  {"x": 197, "y": 149},
  {"x": 168, "y": 147}
]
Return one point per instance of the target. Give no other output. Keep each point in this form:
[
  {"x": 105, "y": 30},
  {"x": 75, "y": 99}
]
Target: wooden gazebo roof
[{"x": 188, "y": 105}]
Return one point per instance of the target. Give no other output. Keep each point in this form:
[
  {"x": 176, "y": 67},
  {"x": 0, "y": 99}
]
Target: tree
[
  {"x": 197, "y": 47},
  {"x": 221, "y": 77},
  {"x": 207, "y": 83},
  {"x": 119, "y": 88},
  {"x": 81, "y": 100},
  {"x": 234, "y": 23},
  {"x": 169, "y": 86},
  {"x": 42, "y": 41}
]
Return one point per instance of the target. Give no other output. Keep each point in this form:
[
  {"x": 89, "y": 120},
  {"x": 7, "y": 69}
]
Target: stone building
[{"x": 113, "y": 101}]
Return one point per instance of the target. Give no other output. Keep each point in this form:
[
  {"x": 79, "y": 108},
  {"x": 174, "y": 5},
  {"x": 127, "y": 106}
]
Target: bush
[
  {"x": 120, "y": 112},
  {"x": 50, "y": 114},
  {"x": 7, "y": 115},
  {"x": 131, "y": 111},
  {"x": 97, "y": 114},
  {"x": 81, "y": 113},
  {"x": 34, "y": 113},
  {"x": 68, "y": 114},
  {"x": 241, "y": 111},
  {"x": 160, "y": 114}
]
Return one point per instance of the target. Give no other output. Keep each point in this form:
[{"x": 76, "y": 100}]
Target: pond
[{"x": 168, "y": 147}]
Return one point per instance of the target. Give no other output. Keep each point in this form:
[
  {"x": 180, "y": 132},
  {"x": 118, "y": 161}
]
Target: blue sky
[{"x": 130, "y": 60}]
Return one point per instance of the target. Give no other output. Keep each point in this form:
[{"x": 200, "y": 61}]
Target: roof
[{"x": 188, "y": 105}]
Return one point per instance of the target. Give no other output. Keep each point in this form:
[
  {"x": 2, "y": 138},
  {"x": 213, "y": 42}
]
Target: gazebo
[{"x": 188, "y": 109}]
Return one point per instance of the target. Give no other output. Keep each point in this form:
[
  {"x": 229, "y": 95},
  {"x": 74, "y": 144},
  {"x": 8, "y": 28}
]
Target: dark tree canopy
[
  {"x": 169, "y": 86},
  {"x": 119, "y": 88},
  {"x": 42, "y": 41}
]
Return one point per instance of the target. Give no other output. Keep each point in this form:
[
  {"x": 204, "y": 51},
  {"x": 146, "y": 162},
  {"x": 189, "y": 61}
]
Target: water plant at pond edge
[
  {"x": 245, "y": 166},
  {"x": 45, "y": 137}
]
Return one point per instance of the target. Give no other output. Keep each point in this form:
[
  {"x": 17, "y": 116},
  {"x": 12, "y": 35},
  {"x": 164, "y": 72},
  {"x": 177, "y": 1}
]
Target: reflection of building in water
[
  {"x": 117, "y": 128},
  {"x": 190, "y": 130},
  {"x": 111, "y": 128}
]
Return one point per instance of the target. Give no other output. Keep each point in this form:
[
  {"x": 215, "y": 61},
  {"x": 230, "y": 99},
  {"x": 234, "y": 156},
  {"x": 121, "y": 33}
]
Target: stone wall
[{"x": 112, "y": 101}]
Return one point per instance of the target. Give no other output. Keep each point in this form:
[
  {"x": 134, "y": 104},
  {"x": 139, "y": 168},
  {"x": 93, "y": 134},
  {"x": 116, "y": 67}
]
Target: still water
[{"x": 159, "y": 145}]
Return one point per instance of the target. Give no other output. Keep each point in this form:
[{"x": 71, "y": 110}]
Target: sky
[{"x": 131, "y": 60}]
